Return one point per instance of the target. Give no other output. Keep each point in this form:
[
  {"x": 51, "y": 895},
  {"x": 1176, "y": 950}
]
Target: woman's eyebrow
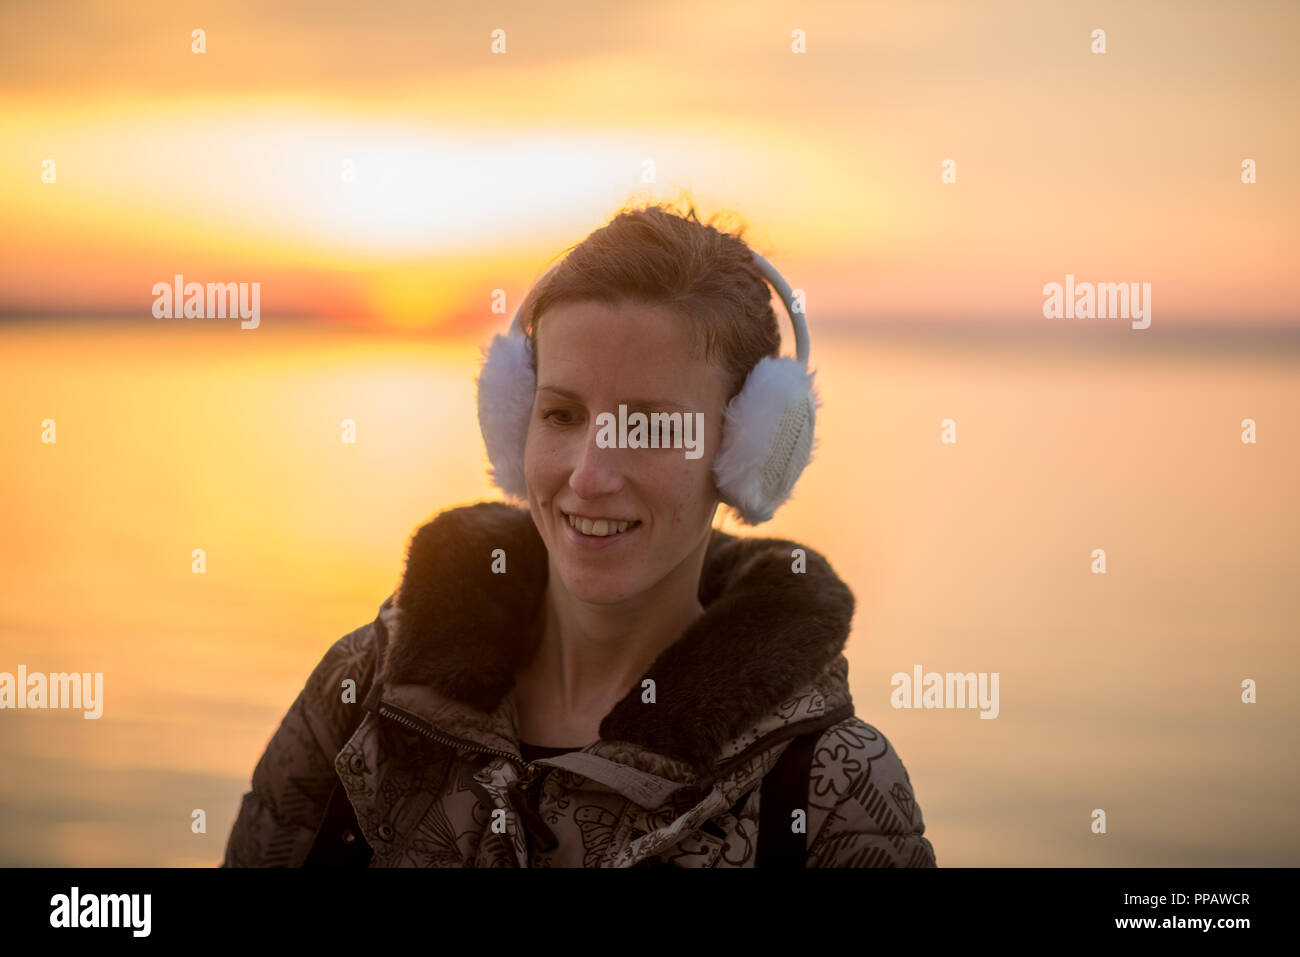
[{"x": 631, "y": 403}]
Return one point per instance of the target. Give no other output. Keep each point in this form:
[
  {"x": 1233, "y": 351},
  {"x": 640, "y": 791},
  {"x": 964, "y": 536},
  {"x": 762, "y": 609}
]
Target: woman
[{"x": 603, "y": 679}]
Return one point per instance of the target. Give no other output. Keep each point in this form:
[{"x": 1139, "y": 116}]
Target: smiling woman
[{"x": 602, "y": 678}]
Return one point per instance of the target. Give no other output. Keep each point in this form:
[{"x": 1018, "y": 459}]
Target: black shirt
[{"x": 531, "y": 752}]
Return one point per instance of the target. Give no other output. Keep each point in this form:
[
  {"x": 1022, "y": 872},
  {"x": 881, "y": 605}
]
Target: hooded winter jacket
[{"x": 426, "y": 748}]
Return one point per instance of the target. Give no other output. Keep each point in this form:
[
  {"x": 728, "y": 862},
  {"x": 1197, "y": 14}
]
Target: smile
[{"x": 600, "y": 527}]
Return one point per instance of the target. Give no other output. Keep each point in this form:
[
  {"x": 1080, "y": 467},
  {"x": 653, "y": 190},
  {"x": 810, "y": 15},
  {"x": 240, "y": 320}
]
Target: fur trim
[
  {"x": 506, "y": 387},
  {"x": 766, "y": 633},
  {"x": 767, "y": 439}
]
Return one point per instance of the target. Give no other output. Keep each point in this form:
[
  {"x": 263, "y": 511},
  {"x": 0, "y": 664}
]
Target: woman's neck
[{"x": 589, "y": 656}]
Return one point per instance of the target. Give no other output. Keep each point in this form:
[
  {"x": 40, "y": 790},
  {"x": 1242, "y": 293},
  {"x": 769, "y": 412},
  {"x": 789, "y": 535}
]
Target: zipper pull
[{"x": 528, "y": 817}]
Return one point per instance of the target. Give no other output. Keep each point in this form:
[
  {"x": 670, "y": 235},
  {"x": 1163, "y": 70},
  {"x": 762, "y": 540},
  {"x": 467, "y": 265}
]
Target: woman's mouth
[{"x": 599, "y": 532}]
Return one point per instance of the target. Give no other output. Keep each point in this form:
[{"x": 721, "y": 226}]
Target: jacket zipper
[
  {"x": 429, "y": 731},
  {"x": 531, "y": 820}
]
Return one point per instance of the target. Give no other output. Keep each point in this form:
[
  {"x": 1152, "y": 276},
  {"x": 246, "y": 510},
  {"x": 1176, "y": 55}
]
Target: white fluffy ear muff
[
  {"x": 506, "y": 387},
  {"x": 767, "y": 434},
  {"x": 767, "y": 439}
]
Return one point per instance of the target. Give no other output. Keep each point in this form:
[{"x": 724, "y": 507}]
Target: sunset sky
[{"x": 472, "y": 170}]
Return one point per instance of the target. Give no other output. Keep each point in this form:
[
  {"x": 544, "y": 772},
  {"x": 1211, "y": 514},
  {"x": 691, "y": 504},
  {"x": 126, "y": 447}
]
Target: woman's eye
[{"x": 564, "y": 417}]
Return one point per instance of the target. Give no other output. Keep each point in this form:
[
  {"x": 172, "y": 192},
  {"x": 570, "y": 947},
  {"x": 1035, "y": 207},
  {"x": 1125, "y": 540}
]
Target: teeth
[{"x": 600, "y": 527}]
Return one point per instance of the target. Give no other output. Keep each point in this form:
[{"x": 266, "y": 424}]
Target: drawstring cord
[{"x": 528, "y": 816}]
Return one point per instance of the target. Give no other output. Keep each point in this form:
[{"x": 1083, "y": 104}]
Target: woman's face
[{"x": 590, "y": 358}]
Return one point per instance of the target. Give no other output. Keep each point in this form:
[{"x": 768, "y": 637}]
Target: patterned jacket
[{"x": 423, "y": 736}]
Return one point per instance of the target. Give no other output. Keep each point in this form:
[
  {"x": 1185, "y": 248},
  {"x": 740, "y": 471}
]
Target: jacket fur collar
[{"x": 767, "y": 632}]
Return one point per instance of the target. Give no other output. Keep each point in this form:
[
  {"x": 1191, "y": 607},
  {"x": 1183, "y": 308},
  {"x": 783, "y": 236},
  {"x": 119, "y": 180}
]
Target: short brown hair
[{"x": 656, "y": 255}]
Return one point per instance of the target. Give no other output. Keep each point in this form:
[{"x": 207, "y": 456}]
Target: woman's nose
[{"x": 596, "y": 471}]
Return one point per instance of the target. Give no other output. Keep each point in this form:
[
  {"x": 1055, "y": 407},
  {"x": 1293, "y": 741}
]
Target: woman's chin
[{"x": 596, "y": 587}]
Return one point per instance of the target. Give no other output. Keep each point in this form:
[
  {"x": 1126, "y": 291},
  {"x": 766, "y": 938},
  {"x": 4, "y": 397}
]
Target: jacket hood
[{"x": 768, "y": 650}]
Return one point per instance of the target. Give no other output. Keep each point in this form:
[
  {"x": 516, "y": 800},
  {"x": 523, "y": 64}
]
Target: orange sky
[{"x": 470, "y": 170}]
